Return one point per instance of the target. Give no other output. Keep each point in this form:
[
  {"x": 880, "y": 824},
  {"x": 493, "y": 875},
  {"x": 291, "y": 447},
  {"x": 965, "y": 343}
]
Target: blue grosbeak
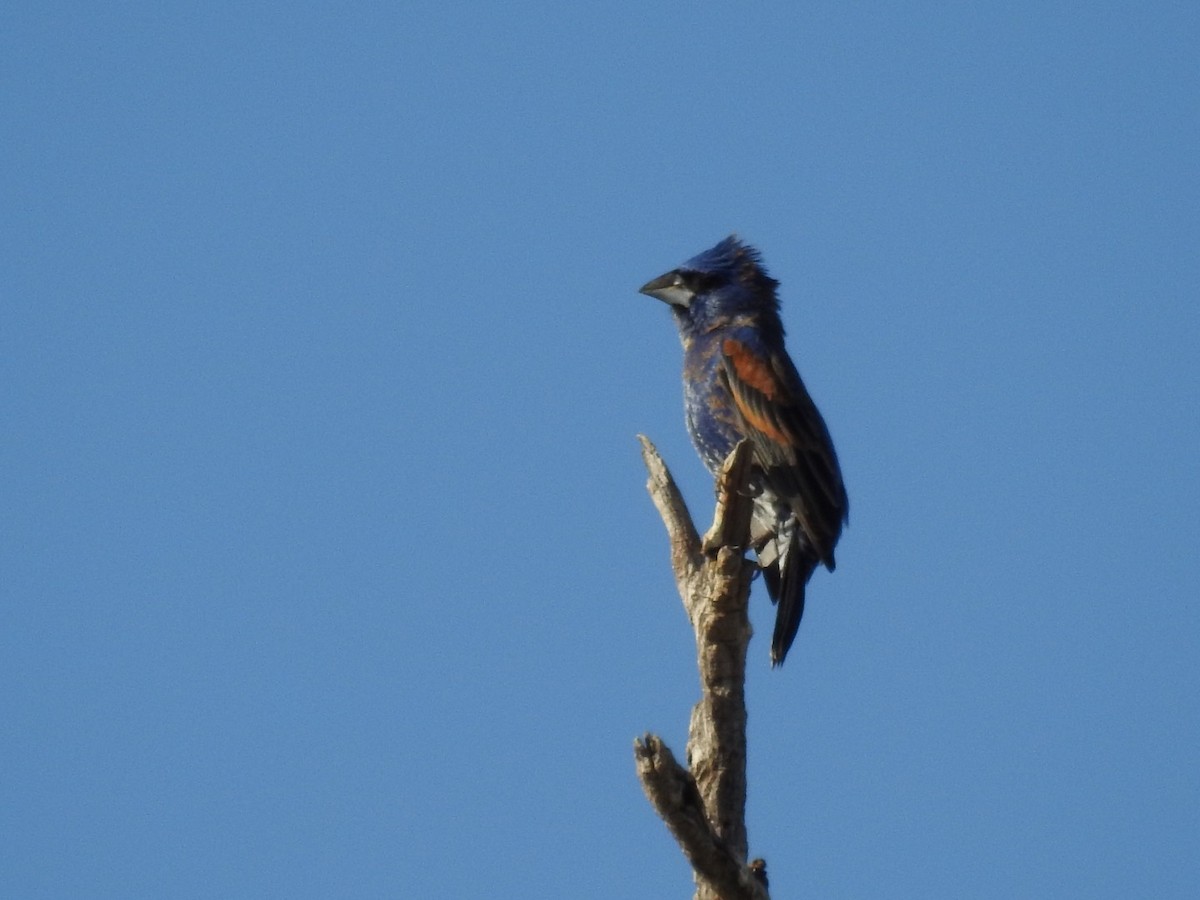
[{"x": 739, "y": 383}]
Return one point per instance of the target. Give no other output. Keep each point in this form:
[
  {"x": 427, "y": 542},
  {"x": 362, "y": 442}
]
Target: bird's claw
[{"x": 710, "y": 544}]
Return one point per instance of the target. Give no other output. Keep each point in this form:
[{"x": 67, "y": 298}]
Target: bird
[{"x": 740, "y": 384}]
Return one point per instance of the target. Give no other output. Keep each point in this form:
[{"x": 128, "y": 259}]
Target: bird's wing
[{"x": 791, "y": 442}]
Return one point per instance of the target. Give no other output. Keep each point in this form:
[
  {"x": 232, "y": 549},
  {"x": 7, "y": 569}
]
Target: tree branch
[{"x": 704, "y": 805}]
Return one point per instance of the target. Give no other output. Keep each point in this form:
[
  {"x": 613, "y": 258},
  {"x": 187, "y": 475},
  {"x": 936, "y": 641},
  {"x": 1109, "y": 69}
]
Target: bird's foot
[{"x": 711, "y": 544}]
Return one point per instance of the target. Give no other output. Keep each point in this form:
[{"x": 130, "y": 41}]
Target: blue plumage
[{"x": 740, "y": 383}]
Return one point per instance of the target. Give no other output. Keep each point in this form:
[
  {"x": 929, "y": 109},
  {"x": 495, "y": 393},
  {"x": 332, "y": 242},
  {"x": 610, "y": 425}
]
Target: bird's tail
[
  {"x": 786, "y": 566},
  {"x": 786, "y": 579},
  {"x": 789, "y": 609}
]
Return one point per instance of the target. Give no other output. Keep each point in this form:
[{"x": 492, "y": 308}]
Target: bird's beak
[{"x": 668, "y": 288}]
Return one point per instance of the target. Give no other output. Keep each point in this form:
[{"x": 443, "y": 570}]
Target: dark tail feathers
[{"x": 786, "y": 585}]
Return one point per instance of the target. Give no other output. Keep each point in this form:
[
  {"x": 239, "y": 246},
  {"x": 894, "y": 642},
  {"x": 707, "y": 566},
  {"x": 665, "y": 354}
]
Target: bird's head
[{"x": 721, "y": 284}]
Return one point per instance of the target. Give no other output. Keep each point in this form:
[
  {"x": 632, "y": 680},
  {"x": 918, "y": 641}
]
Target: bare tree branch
[{"x": 704, "y": 805}]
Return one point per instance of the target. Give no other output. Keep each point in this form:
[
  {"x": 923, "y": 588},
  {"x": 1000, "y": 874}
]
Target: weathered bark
[{"x": 704, "y": 805}]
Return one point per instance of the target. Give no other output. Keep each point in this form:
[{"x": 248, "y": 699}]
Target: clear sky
[{"x": 326, "y": 565}]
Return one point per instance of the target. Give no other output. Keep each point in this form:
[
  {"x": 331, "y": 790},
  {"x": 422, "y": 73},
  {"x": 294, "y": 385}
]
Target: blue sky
[{"x": 327, "y": 566}]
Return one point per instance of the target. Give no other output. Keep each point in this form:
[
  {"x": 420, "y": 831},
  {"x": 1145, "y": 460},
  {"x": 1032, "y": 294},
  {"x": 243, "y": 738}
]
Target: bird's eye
[{"x": 696, "y": 282}]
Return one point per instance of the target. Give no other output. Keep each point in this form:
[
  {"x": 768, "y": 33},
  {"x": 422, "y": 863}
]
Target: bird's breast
[{"x": 712, "y": 419}]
